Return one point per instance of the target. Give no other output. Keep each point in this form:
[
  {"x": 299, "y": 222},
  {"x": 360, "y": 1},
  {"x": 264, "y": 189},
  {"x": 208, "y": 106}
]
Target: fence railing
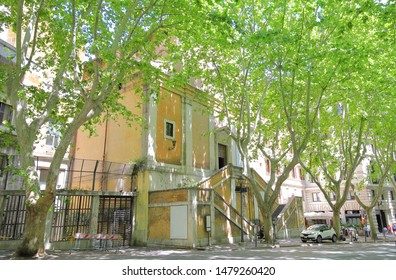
[
  {"x": 12, "y": 215},
  {"x": 82, "y": 174},
  {"x": 73, "y": 212}
]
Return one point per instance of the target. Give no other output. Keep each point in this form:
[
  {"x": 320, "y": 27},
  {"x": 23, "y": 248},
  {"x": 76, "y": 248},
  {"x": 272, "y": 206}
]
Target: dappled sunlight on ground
[{"x": 296, "y": 251}]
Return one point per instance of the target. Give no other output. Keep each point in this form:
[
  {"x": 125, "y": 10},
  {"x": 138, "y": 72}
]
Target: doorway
[
  {"x": 222, "y": 155},
  {"x": 381, "y": 220}
]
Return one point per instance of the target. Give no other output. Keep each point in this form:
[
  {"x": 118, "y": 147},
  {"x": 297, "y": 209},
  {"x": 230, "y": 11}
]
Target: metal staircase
[
  {"x": 219, "y": 186},
  {"x": 218, "y": 183},
  {"x": 278, "y": 212}
]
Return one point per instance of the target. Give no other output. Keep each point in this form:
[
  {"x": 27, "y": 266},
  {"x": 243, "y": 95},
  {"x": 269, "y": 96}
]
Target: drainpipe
[{"x": 104, "y": 154}]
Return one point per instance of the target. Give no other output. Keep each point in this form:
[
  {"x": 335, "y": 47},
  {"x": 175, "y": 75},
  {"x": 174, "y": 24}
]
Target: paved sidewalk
[
  {"x": 152, "y": 252},
  {"x": 121, "y": 253}
]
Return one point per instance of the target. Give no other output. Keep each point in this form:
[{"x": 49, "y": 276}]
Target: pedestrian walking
[
  {"x": 394, "y": 228},
  {"x": 367, "y": 230},
  {"x": 385, "y": 231}
]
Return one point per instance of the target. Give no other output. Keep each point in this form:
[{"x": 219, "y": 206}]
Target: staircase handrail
[
  {"x": 203, "y": 182},
  {"x": 230, "y": 171},
  {"x": 257, "y": 177},
  {"x": 289, "y": 209},
  {"x": 232, "y": 208},
  {"x": 287, "y": 205}
]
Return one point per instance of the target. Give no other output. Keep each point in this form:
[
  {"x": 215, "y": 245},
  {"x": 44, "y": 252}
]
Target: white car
[{"x": 318, "y": 233}]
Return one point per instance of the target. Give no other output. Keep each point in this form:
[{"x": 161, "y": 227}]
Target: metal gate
[
  {"x": 115, "y": 216},
  {"x": 72, "y": 214}
]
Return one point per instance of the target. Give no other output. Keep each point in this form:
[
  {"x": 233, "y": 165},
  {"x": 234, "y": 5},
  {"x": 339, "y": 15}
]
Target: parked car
[{"x": 318, "y": 233}]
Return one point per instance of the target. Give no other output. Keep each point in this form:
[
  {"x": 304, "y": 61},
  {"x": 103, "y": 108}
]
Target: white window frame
[
  {"x": 166, "y": 136},
  {"x": 53, "y": 136},
  {"x": 350, "y": 196},
  {"x": 43, "y": 178},
  {"x": 5, "y": 112},
  {"x": 52, "y": 140},
  {"x": 316, "y": 197}
]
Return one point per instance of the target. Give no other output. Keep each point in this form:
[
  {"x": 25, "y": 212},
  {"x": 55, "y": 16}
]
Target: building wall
[
  {"x": 200, "y": 128},
  {"x": 169, "y": 108},
  {"x": 384, "y": 212},
  {"x": 293, "y": 186},
  {"x": 115, "y": 144},
  {"x": 124, "y": 139},
  {"x": 90, "y": 147},
  {"x": 173, "y": 161},
  {"x": 9, "y": 36},
  {"x": 161, "y": 223},
  {"x": 318, "y": 209},
  {"x": 115, "y": 140}
]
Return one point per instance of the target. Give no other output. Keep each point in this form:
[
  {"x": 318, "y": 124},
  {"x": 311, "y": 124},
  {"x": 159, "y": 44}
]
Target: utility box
[{"x": 208, "y": 223}]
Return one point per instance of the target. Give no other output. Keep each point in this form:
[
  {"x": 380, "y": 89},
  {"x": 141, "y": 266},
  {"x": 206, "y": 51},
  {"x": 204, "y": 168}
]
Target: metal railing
[
  {"x": 222, "y": 177},
  {"x": 115, "y": 216},
  {"x": 77, "y": 173},
  {"x": 12, "y": 216},
  {"x": 73, "y": 212}
]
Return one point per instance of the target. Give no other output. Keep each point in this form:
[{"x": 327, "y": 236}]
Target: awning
[{"x": 318, "y": 214}]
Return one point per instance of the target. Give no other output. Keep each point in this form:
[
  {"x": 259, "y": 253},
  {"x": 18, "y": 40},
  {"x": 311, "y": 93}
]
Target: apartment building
[
  {"x": 317, "y": 209},
  {"x": 7, "y": 139},
  {"x": 46, "y": 142}
]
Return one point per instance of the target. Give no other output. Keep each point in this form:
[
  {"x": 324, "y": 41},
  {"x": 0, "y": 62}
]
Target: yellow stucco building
[{"x": 185, "y": 183}]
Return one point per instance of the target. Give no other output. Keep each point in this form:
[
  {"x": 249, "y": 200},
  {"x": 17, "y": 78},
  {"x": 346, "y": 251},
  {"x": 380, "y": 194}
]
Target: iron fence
[
  {"x": 99, "y": 175},
  {"x": 12, "y": 217},
  {"x": 82, "y": 174},
  {"x": 72, "y": 213}
]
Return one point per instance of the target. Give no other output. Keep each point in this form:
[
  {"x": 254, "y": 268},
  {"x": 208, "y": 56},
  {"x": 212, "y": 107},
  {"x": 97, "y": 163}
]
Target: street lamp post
[
  {"x": 364, "y": 222},
  {"x": 380, "y": 214},
  {"x": 241, "y": 189}
]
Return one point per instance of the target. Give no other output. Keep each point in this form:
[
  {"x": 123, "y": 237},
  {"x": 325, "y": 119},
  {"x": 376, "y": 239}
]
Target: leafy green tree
[
  {"x": 272, "y": 65},
  {"x": 80, "y": 51},
  {"x": 381, "y": 163},
  {"x": 348, "y": 117},
  {"x": 381, "y": 155},
  {"x": 334, "y": 157}
]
